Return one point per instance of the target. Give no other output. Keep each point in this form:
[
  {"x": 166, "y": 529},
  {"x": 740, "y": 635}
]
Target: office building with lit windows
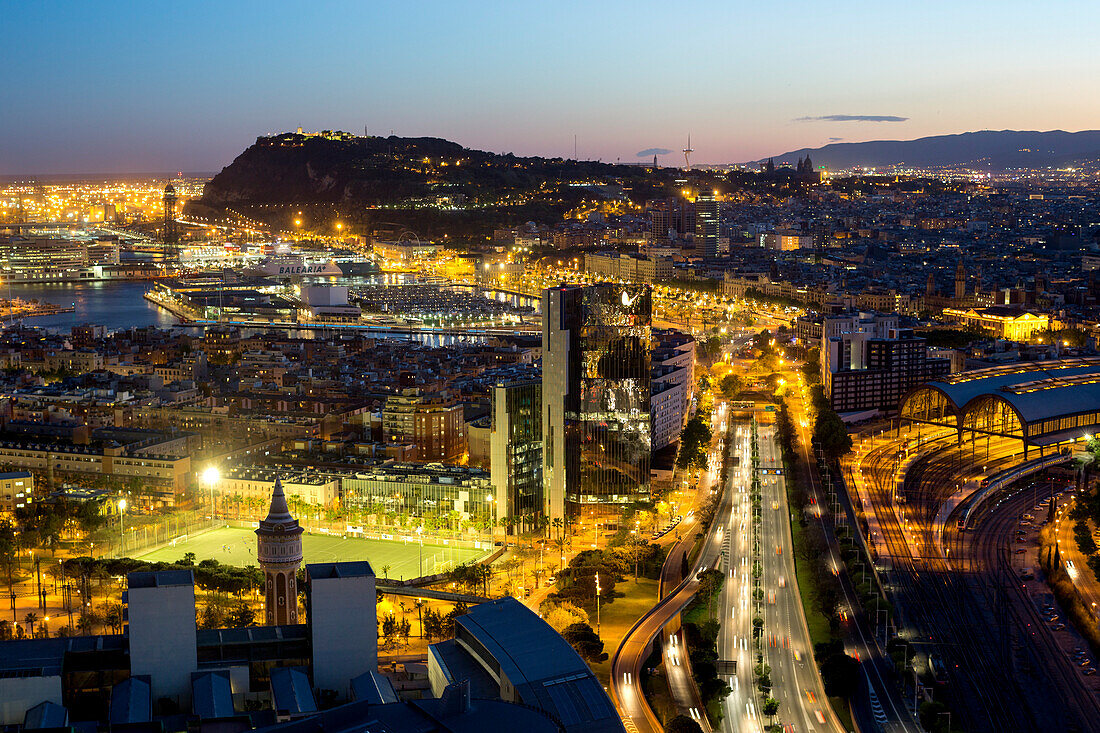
[
  {"x": 706, "y": 225},
  {"x": 515, "y": 448},
  {"x": 870, "y": 370},
  {"x": 597, "y": 432}
]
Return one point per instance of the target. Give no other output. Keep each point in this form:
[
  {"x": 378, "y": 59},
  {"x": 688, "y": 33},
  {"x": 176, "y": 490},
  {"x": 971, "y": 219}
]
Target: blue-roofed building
[
  {"x": 531, "y": 664},
  {"x": 292, "y": 692},
  {"x": 37, "y": 670},
  {"x": 507, "y": 670},
  {"x": 372, "y": 687},
  {"x": 454, "y": 712},
  {"x": 342, "y": 632},
  {"x": 447, "y": 662},
  {"x": 1042, "y": 403},
  {"x": 160, "y": 614},
  {"x": 46, "y": 715},
  {"x": 212, "y": 694},
  {"x": 132, "y": 701}
]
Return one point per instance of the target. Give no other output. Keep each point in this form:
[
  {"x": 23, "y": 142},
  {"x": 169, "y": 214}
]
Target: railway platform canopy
[{"x": 1039, "y": 403}]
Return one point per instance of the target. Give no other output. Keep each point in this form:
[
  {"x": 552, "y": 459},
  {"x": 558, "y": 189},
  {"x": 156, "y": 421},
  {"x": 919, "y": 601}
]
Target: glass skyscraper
[
  {"x": 706, "y": 225},
  {"x": 515, "y": 443},
  {"x": 596, "y": 396}
]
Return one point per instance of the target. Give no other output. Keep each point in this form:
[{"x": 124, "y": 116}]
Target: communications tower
[{"x": 170, "y": 232}]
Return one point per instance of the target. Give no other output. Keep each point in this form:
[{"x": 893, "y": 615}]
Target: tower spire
[{"x": 278, "y": 512}]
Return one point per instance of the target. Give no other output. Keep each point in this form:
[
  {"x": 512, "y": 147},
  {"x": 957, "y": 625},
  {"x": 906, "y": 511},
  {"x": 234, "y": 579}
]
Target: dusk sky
[{"x": 156, "y": 86}]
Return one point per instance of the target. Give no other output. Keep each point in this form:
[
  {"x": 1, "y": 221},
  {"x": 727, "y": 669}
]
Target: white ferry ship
[
  {"x": 295, "y": 266},
  {"x": 94, "y": 273}
]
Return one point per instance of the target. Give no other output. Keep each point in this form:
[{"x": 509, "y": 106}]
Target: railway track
[
  {"x": 936, "y": 602},
  {"x": 1032, "y": 650},
  {"x": 970, "y": 605},
  {"x": 934, "y": 606}
]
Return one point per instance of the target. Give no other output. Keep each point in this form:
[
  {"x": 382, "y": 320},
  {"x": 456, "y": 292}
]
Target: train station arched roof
[{"x": 1039, "y": 402}]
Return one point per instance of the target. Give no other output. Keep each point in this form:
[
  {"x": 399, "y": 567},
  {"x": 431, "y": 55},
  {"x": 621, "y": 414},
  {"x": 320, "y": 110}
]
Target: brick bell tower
[{"x": 279, "y": 551}]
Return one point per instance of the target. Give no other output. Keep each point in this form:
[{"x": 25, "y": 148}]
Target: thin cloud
[
  {"x": 852, "y": 118},
  {"x": 653, "y": 151},
  {"x": 835, "y": 139}
]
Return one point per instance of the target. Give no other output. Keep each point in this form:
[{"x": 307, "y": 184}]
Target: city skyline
[
  {"x": 607, "y": 368},
  {"x": 149, "y": 89}
]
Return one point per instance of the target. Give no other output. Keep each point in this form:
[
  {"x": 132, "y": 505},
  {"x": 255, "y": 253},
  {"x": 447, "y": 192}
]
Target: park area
[{"x": 389, "y": 558}]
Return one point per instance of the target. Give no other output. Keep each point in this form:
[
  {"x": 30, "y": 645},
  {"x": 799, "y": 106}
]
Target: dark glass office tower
[
  {"x": 515, "y": 446},
  {"x": 706, "y": 225},
  {"x": 596, "y": 382}
]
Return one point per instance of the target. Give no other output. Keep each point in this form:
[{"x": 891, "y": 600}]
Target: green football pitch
[{"x": 234, "y": 546}]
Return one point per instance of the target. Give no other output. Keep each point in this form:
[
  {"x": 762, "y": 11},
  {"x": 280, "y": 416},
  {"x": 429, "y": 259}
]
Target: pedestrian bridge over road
[{"x": 435, "y": 595}]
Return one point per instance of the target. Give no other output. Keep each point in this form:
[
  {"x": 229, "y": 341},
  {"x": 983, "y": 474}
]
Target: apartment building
[
  {"x": 872, "y": 368},
  {"x": 434, "y": 423},
  {"x": 672, "y": 385}
]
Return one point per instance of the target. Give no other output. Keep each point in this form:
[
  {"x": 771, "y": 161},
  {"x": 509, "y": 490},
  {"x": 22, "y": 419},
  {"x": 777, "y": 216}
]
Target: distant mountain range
[{"x": 990, "y": 150}]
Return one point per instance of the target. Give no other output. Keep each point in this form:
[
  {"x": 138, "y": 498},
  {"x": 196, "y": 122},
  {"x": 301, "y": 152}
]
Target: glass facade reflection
[
  {"x": 516, "y": 447},
  {"x": 596, "y": 361}
]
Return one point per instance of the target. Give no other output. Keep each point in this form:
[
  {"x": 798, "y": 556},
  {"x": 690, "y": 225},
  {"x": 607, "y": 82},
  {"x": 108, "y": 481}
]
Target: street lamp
[
  {"x": 420, "y": 536},
  {"x": 121, "y": 530},
  {"x": 597, "y": 604},
  {"x": 210, "y": 477},
  {"x": 492, "y": 516}
]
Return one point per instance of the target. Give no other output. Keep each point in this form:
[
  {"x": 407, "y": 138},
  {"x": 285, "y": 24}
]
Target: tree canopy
[
  {"x": 695, "y": 442},
  {"x": 682, "y": 724},
  {"x": 732, "y": 385},
  {"x": 830, "y": 432},
  {"x": 582, "y": 638}
]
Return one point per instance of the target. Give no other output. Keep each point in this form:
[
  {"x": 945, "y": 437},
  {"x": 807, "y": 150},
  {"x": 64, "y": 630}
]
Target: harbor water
[{"x": 120, "y": 304}]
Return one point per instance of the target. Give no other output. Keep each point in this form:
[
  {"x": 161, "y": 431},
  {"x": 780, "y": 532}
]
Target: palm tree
[
  {"x": 295, "y": 505},
  {"x": 86, "y": 623},
  {"x": 386, "y": 572},
  {"x": 560, "y": 544},
  {"x": 30, "y": 620},
  {"x": 485, "y": 573},
  {"x": 569, "y": 522},
  {"x": 112, "y": 616}
]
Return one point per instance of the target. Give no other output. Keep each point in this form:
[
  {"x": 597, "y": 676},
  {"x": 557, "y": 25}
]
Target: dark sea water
[{"x": 118, "y": 305}]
